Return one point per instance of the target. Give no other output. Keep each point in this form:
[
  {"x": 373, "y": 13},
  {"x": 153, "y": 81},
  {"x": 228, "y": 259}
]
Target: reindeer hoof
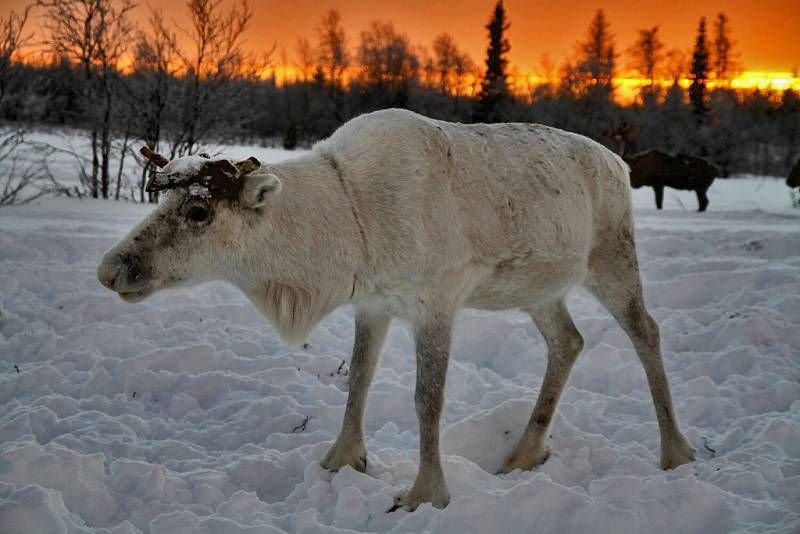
[
  {"x": 428, "y": 487},
  {"x": 338, "y": 457},
  {"x": 413, "y": 499},
  {"x": 526, "y": 461},
  {"x": 677, "y": 453}
]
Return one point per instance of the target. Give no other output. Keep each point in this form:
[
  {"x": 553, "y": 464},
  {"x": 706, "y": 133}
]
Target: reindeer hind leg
[{"x": 615, "y": 281}]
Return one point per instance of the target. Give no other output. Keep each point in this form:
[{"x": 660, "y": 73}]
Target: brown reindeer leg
[
  {"x": 659, "y": 189},
  {"x": 702, "y": 199}
]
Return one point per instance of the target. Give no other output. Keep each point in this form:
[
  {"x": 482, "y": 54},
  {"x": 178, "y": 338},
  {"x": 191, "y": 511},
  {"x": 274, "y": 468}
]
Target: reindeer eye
[{"x": 197, "y": 214}]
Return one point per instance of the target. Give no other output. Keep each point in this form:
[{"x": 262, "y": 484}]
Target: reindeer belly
[{"x": 522, "y": 285}]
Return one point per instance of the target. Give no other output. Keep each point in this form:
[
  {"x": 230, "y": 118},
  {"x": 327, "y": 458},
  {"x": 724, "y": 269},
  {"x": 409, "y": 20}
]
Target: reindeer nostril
[
  {"x": 107, "y": 275},
  {"x": 109, "y": 281}
]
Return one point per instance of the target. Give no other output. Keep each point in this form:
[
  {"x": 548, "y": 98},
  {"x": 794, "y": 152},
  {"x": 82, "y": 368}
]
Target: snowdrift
[{"x": 186, "y": 414}]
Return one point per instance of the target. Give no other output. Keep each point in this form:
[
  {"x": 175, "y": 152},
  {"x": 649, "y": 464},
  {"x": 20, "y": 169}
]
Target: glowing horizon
[{"x": 627, "y": 86}]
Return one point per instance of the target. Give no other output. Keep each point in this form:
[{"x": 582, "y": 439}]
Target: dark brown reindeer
[{"x": 659, "y": 169}]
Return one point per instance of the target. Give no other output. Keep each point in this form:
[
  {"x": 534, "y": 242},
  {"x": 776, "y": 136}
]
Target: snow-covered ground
[{"x": 186, "y": 414}]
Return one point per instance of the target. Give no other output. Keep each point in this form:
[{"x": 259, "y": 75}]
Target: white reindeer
[{"x": 405, "y": 216}]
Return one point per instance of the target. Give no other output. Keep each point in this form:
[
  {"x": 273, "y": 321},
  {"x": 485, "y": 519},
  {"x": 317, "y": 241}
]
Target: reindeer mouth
[{"x": 135, "y": 296}]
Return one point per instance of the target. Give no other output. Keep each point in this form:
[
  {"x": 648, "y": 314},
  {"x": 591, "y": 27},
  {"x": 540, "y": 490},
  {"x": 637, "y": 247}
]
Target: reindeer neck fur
[{"x": 301, "y": 270}]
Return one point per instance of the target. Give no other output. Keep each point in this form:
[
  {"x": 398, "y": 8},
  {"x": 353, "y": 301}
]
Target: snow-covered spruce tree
[
  {"x": 646, "y": 58},
  {"x": 597, "y": 63},
  {"x": 699, "y": 72},
  {"x": 724, "y": 64},
  {"x": 494, "y": 95}
]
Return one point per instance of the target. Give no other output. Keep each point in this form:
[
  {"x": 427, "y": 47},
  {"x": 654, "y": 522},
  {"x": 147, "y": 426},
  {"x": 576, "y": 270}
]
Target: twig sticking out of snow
[
  {"x": 705, "y": 444},
  {"x": 302, "y": 426},
  {"x": 341, "y": 370}
]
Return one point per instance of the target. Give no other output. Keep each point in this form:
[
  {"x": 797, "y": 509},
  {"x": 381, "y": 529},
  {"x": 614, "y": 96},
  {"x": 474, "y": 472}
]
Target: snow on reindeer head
[{"x": 181, "y": 241}]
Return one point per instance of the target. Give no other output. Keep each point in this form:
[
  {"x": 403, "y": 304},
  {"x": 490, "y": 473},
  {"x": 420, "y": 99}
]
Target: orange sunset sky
[{"x": 767, "y": 32}]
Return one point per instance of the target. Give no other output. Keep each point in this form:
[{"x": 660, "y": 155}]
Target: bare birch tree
[
  {"x": 305, "y": 59},
  {"x": 216, "y": 60},
  {"x": 93, "y": 34},
  {"x": 333, "y": 57},
  {"x": 154, "y": 66},
  {"x": 12, "y": 39}
]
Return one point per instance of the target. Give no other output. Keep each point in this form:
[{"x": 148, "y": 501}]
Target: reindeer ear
[{"x": 257, "y": 188}]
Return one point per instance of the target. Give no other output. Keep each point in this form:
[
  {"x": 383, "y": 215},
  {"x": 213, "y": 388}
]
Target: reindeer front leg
[
  {"x": 659, "y": 189},
  {"x": 433, "y": 351},
  {"x": 349, "y": 449}
]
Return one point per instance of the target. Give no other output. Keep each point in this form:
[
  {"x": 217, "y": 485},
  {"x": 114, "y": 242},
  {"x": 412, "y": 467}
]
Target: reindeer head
[
  {"x": 194, "y": 232},
  {"x": 622, "y": 133}
]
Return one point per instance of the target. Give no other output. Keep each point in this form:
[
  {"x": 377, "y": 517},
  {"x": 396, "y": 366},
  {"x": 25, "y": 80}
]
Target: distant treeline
[{"x": 127, "y": 86}]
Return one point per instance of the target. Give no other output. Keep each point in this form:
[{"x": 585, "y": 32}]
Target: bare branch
[{"x": 22, "y": 178}]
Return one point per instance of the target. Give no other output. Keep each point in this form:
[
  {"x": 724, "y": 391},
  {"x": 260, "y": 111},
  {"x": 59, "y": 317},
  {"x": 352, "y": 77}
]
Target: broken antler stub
[
  {"x": 157, "y": 159},
  {"x": 219, "y": 177}
]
